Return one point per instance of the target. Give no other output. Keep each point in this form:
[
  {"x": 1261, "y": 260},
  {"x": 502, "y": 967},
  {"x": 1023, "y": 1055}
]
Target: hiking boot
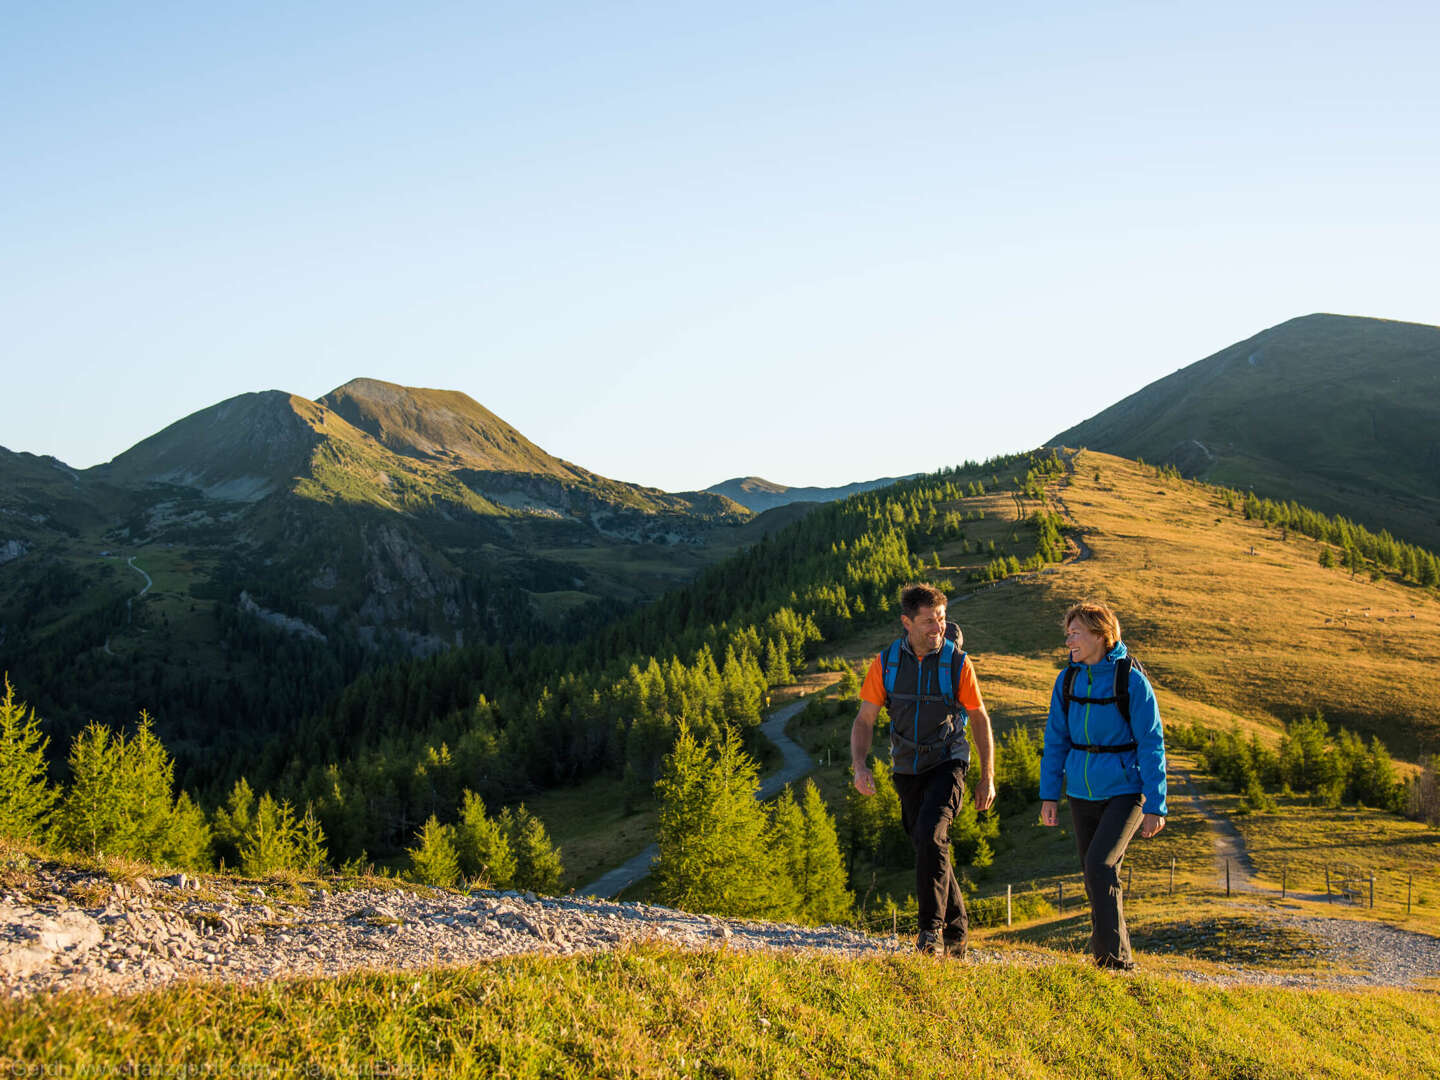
[
  {"x": 955, "y": 947},
  {"x": 928, "y": 943},
  {"x": 1112, "y": 964}
]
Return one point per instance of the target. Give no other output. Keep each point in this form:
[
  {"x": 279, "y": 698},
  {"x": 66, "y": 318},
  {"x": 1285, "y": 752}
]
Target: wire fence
[{"x": 1388, "y": 892}]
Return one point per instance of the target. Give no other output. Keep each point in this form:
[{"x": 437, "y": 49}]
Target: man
[{"x": 929, "y": 686}]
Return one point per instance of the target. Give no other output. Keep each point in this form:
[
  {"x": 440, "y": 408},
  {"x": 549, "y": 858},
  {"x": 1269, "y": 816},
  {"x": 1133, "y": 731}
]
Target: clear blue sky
[{"x": 678, "y": 243}]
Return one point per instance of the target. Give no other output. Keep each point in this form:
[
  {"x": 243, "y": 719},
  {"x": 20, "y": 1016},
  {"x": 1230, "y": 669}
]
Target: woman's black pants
[{"x": 1103, "y": 830}]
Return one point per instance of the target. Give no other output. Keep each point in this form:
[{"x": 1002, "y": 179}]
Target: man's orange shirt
[{"x": 873, "y": 689}]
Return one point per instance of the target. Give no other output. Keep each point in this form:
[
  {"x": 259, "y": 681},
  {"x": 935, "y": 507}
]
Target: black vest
[{"x": 926, "y": 728}]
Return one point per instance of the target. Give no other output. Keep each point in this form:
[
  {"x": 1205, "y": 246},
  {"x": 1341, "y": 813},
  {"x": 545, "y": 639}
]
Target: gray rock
[{"x": 35, "y": 941}]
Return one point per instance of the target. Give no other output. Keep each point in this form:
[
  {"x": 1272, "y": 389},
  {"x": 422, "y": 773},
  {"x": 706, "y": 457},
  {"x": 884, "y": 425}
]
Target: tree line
[
  {"x": 1357, "y": 546},
  {"x": 1329, "y": 768}
]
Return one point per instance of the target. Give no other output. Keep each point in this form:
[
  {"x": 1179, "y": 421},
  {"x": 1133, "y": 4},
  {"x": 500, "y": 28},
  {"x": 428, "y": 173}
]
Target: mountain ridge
[
  {"x": 1334, "y": 411},
  {"x": 758, "y": 494}
]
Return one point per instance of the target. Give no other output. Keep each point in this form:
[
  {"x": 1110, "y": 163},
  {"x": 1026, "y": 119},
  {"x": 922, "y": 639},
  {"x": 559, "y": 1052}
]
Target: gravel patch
[{"x": 73, "y": 930}]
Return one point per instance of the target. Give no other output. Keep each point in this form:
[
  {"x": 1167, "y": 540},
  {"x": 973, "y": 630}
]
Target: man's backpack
[
  {"x": 952, "y": 659},
  {"x": 1121, "y": 700}
]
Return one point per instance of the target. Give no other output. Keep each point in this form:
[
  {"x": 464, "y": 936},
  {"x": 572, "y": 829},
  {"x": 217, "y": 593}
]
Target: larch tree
[
  {"x": 482, "y": 846},
  {"x": 537, "y": 860},
  {"x": 712, "y": 832},
  {"x": 26, "y": 797},
  {"x": 823, "y": 895},
  {"x": 433, "y": 860}
]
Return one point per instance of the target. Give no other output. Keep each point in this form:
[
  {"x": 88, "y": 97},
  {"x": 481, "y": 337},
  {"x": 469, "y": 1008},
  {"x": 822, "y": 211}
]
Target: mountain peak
[
  {"x": 442, "y": 426},
  {"x": 241, "y": 449}
]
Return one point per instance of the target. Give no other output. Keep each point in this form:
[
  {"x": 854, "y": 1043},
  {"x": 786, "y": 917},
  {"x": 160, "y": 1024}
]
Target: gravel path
[
  {"x": 76, "y": 930},
  {"x": 1364, "y": 954},
  {"x": 1232, "y": 860}
]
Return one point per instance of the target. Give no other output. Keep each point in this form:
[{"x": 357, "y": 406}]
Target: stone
[{"x": 41, "y": 940}]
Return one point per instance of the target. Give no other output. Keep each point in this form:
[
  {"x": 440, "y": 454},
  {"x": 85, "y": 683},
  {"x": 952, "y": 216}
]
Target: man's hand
[
  {"x": 864, "y": 780},
  {"x": 985, "y": 791},
  {"x": 1151, "y": 824},
  {"x": 1050, "y": 812}
]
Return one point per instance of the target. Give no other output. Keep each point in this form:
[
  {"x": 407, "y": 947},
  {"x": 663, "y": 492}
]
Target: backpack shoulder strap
[
  {"x": 890, "y": 665},
  {"x": 950, "y": 663},
  {"x": 1122, "y": 685},
  {"x": 1067, "y": 687}
]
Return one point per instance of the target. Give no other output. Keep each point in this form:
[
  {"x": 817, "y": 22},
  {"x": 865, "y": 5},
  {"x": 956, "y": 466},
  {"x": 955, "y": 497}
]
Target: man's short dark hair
[{"x": 915, "y": 597}]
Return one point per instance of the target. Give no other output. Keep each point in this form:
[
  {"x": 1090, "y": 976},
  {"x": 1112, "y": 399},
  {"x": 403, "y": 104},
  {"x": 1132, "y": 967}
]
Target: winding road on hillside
[{"x": 796, "y": 763}]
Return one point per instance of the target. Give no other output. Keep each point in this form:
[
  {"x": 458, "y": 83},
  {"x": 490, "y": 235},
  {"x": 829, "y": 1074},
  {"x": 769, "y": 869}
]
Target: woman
[{"x": 1113, "y": 768}]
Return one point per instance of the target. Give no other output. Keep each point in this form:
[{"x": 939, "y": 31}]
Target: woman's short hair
[{"x": 1097, "y": 617}]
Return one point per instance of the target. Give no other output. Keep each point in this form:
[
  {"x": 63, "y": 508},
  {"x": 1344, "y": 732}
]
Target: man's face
[{"x": 926, "y": 630}]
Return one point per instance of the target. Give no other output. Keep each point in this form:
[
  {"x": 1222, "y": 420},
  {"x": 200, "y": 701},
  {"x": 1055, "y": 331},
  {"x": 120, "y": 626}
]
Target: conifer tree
[
  {"x": 874, "y": 822},
  {"x": 823, "y": 895},
  {"x": 271, "y": 843},
  {"x": 786, "y": 844},
  {"x": 188, "y": 838},
  {"x": 537, "y": 861},
  {"x": 88, "y": 816},
  {"x": 233, "y": 821},
  {"x": 433, "y": 860},
  {"x": 310, "y": 854},
  {"x": 777, "y": 665},
  {"x": 147, "y": 777},
  {"x": 1428, "y": 570},
  {"x": 712, "y": 831},
  {"x": 26, "y": 798},
  {"x": 119, "y": 800},
  {"x": 482, "y": 846}
]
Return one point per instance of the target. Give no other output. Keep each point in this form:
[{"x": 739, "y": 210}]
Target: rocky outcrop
[{"x": 289, "y": 623}]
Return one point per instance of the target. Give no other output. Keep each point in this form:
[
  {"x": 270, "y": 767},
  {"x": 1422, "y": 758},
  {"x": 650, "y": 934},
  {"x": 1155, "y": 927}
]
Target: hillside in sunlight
[
  {"x": 1234, "y": 620},
  {"x": 1337, "y": 412}
]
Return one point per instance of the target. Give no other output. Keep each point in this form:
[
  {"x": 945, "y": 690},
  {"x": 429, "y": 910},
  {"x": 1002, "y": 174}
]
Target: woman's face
[{"x": 1086, "y": 646}]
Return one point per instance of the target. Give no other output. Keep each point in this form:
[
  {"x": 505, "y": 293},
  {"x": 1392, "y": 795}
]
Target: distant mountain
[
  {"x": 760, "y": 495},
  {"x": 293, "y": 543},
  {"x": 1337, "y": 412}
]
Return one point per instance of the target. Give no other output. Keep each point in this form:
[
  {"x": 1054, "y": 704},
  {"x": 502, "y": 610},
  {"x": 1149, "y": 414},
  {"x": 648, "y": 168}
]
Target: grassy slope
[
  {"x": 1228, "y": 637},
  {"x": 1335, "y": 412},
  {"x": 652, "y": 1013}
]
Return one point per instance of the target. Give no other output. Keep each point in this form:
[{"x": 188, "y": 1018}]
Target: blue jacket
[{"x": 1099, "y": 776}]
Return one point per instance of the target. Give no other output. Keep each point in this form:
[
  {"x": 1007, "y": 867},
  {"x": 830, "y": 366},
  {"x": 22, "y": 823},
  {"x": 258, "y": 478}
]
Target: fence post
[
  {"x": 1282, "y": 882},
  {"x": 1372, "y": 890},
  {"x": 1007, "y": 905},
  {"x": 1409, "y": 882},
  {"x": 1227, "y": 877},
  {"x": 1172, "y": 875},
  {"x": 1327, "y": 883},
  {"x": 1061, "y": 904},
  {"x": 895, "y": 922}
]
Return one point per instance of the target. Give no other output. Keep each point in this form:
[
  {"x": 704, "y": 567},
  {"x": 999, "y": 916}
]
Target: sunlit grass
[{"x": 645, "y": 1013}]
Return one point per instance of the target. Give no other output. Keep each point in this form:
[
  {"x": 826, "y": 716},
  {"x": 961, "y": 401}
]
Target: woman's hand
[
  {"x": 1050, "y": 812},
  {"x": 1151, "y": 824}
]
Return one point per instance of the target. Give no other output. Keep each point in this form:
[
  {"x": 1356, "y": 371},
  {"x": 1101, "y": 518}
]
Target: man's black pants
[
  {"x": 1103, "y": 830},
  {"x": 928, "y": 803}
]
